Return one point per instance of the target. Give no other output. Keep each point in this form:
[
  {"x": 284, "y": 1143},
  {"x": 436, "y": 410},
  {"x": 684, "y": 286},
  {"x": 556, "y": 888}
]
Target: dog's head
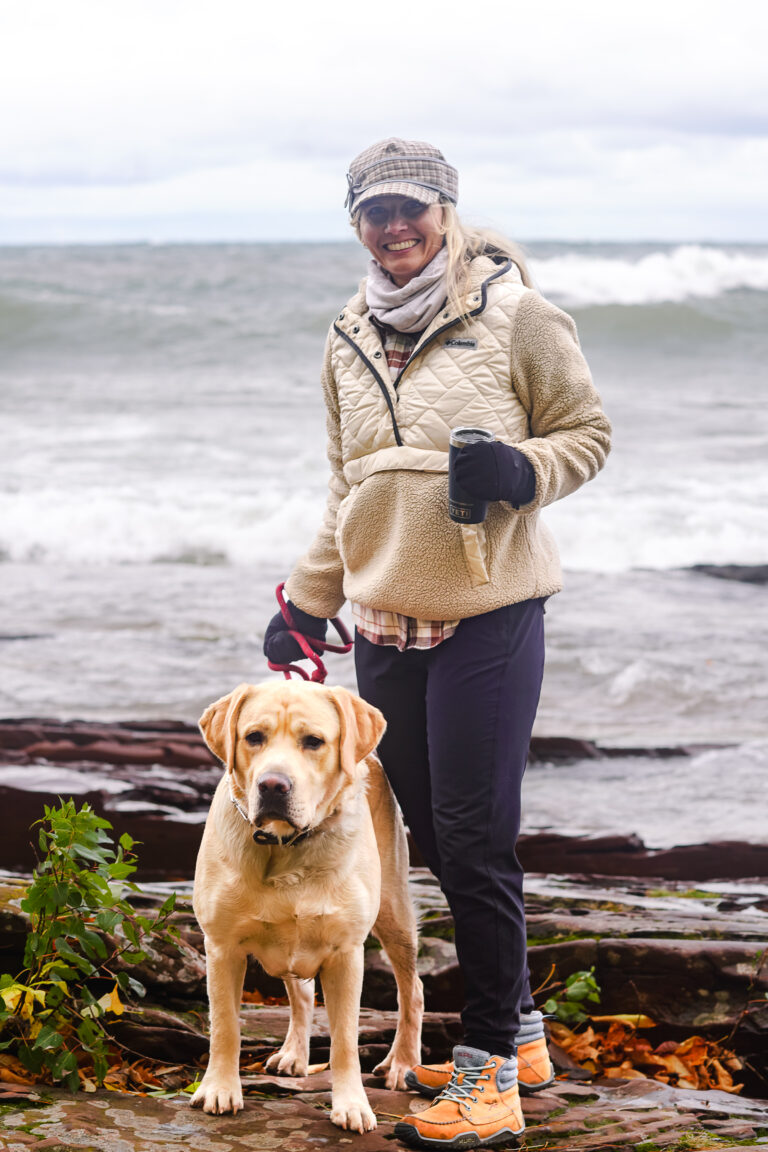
[{"x": 292, "y": 749}]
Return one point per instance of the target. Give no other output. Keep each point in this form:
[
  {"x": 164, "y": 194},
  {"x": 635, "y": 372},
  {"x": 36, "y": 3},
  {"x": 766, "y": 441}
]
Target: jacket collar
[{"x": 483, "y": 271}]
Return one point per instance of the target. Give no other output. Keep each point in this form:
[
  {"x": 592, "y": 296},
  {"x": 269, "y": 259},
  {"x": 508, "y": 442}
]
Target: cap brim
[{"x": 396, "y": 188}]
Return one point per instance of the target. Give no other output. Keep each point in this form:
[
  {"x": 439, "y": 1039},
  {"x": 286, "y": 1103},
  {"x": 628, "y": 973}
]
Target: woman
[{"x": 447, "y": 331}]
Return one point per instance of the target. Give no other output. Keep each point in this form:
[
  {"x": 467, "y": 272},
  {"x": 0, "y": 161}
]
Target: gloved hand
[
  {"x": 491, "y": 470},
  {"x": 280, "y": 647}
]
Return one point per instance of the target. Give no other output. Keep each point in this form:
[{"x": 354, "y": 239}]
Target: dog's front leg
[
  {"x": 220, "y": 1090},
  {"x": 401, "y": 948},
  {"x": 342, "y": 979},
  {"x": 293, "y": 1057}
]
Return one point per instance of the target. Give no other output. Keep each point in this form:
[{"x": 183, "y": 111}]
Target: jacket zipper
[{"x": 378, "y": 379}]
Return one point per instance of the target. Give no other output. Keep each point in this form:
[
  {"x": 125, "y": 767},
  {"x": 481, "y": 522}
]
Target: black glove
[
  {"x": 280, "y": 647},
  {"x": 491, "y": 470}
]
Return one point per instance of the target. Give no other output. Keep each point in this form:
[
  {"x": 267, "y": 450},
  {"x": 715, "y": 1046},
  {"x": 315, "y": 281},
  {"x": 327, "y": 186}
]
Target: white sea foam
[
  {"x": 608, "y": 531},
  {"x": 130, "y": 526},
  {"x": 688, "y": 271},
  {"x": 599, "y": 530}
]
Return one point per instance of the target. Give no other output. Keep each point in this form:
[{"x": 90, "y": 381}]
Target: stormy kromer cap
[{"x": 401, "y": 168}]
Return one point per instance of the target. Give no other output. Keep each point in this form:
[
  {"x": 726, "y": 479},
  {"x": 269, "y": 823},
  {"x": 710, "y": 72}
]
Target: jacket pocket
[{"x": 475, "y": 545}]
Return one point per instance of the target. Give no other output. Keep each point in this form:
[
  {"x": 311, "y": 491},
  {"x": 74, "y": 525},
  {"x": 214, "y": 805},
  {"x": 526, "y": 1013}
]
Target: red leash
[{"x": 311, "y": 648}]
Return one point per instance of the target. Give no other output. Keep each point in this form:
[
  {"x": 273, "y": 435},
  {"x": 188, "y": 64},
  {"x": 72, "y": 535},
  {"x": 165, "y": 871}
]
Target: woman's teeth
[{"x": 401, "y": 245}]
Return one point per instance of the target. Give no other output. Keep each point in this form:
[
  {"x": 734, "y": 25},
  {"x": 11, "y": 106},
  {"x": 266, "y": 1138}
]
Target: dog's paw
[
  {"x": 218, "y": 1095},
  {"x": 288, "y": 1063},
  {"x": 393, "y": 1072},
  {"x": 354, "y": 1115}
]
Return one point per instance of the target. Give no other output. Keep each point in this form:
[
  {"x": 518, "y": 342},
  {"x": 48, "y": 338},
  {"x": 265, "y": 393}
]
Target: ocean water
[{"x": 163, "y": 465}]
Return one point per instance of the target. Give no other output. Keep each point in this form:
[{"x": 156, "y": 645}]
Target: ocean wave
[
  {"x": 132, "y": 526},
  {"x": 186, "y": 525},
  {"x": 683, "y": 273}
]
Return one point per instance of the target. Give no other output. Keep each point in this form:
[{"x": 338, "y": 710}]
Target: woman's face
[{"x": 402, "y": 234}]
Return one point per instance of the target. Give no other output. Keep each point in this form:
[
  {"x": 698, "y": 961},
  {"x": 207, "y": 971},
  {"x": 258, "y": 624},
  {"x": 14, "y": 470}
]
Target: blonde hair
[{"x": 463, "y": 243}]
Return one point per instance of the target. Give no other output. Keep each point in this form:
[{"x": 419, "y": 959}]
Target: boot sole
[
  {"x": 411, "y": 1136},
  {"x": 531, "y": 1089},
  {"x": 424, "y": 1090}
]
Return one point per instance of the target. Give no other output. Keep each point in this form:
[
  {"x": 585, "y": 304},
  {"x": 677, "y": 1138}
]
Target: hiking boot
[
  {"x": 478, "y": 1108},
  {"x": 534, "y": 1072},
  {"x": 534, "y": 1067}
]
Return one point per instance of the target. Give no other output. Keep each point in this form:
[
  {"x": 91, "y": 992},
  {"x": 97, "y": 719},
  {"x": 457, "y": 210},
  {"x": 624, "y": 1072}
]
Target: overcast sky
[{"x": 236, "y": 119}]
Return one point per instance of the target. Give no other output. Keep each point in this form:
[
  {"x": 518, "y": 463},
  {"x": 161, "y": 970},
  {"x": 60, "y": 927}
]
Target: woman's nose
[{"x": 396, "y": 223}]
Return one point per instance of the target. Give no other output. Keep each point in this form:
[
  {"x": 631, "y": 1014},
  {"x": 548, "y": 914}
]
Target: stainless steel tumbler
[{"x": 462, "y": 507}]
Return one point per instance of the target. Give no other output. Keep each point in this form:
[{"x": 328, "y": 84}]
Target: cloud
[{"x": 161, "y": 110}]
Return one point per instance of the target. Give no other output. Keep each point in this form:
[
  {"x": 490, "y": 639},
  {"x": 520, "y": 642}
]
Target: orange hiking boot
[
  {"x": 534, "y": 1072},
  {"x": 480, "y": 1106},
  {"x": 534, "y": 1067}
]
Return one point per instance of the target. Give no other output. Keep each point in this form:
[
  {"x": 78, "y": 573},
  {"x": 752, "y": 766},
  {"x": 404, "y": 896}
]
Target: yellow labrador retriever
[{"x": 303, "y": 854}]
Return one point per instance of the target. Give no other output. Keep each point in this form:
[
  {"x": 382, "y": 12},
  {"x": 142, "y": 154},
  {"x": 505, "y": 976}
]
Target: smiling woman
[{"x": 447, "y": 331}]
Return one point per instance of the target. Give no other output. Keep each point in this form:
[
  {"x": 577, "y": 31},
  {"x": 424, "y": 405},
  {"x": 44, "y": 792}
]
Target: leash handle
[{"x": 311, "y": 648}]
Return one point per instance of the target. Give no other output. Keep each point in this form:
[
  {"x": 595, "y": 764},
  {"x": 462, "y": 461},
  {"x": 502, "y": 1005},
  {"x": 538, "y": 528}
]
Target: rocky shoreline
[
  {"x": 680, "y": 935},
  {"x": 156, "y": 779}
]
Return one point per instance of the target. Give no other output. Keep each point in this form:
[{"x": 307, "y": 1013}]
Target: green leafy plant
[
  {"x": 579, "y": 990},
  {"x": 84, "y": 938}
]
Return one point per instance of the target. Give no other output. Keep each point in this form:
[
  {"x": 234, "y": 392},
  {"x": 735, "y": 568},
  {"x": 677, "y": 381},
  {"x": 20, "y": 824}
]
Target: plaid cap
[{"x": 396, "y": 167}]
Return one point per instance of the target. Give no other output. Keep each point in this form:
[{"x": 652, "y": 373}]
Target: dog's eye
[
  {"x": 255, "y": 739},
  {"x": 312, "y": 742}
]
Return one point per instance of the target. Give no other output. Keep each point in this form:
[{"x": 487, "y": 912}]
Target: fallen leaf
[
  {"x": 618, "y": 1051},
  {"x": 634, "y": 1021},
  {"x": 11, "y": 1077},
  {"x": 623, "y": 1072}
]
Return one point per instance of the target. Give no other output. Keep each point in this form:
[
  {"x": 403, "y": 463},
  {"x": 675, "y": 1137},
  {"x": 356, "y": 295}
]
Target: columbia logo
[{"x": 461, "y": 342}]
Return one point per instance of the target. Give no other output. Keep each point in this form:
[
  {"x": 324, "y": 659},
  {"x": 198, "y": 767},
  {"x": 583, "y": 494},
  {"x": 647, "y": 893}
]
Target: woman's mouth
[{"x": 401, "y": 245}]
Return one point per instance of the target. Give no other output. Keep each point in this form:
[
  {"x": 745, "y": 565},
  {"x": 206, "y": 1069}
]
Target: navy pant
[{"x": 459, "y": 719}]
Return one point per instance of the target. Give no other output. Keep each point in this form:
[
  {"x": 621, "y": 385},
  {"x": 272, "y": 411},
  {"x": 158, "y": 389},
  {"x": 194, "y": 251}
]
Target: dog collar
[{"x": 261, "y": 837}]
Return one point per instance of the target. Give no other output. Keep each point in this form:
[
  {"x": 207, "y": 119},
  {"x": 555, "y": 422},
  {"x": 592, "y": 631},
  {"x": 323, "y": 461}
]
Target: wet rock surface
[
  {"x": 690, "y": 959},
  {"x": 290, "y": 1113},
  {"x": 156, "y": 780},
  {"x": 153, "y": 781},
  {"x": 744, "y": 573},
  {"x": 628, "y": 856},
  {"x": 680, "y": 935}
]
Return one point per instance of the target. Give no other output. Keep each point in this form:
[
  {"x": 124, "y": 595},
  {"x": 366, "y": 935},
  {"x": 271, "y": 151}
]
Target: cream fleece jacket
[{"x": 386, "y": 540}]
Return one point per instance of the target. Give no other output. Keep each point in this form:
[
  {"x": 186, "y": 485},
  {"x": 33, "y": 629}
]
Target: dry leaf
[
  {"x": 620, "y": 1053},
  {"x": 10, "y": 1077},
  {"x": 624, "y": 1071},
  {"x": 637, "y": 1020}
]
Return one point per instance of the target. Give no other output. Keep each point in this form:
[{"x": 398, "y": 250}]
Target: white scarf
[{"x": 414, "y": 306}]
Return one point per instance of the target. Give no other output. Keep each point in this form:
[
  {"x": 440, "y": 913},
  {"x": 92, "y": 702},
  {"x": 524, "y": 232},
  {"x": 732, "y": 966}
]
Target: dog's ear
[
  {"x": 362, "y": 726},
  {"x": 218, "y": 724}
]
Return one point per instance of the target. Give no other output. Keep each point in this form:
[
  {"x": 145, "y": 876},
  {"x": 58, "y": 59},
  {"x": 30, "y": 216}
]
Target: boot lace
[{"x": 464, "y": 1091}]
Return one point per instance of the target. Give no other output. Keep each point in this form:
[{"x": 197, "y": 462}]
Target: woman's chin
[{"x": 402, "y": 266}]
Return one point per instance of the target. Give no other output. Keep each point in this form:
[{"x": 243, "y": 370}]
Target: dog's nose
[{"x": 274, "y": 784}]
